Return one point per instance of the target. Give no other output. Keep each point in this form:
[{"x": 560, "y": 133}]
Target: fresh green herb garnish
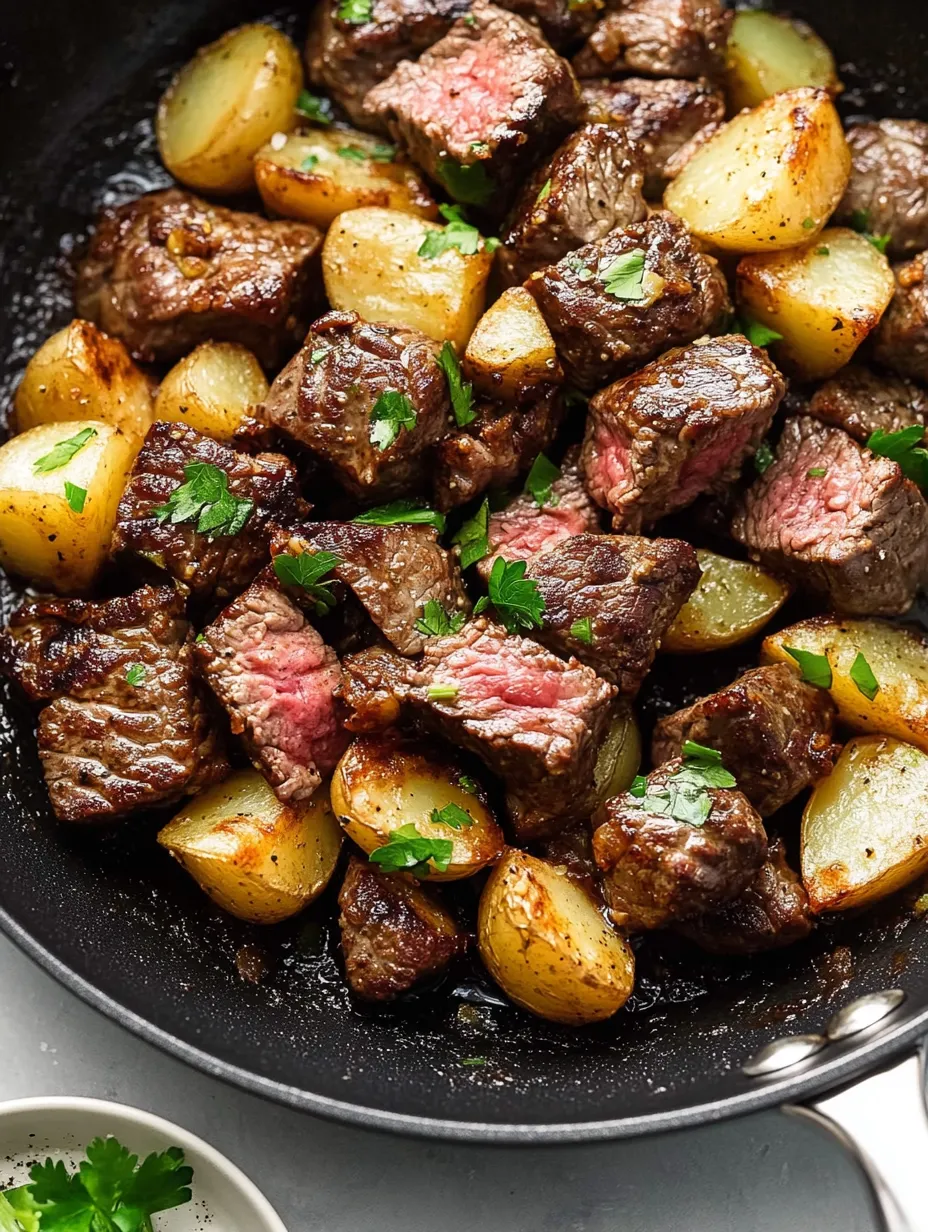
[
  {"x": 880, "y": 242},
  {"x": 452, "y": 815},
  {"x": 204, "y": 498},
  {"x": 200, "y": 637},
  {"x": 517, "y": 600},
  {"x": 309, "y": 164},
  {"x": 473, "y": 538},
  {"x": 808, "y": 224},
  {"x": 461, "y": 391},
  {"x": 904, "y": 447},
  {"x": 757, "y": 334},
  {"x": 442, "y": 692},
  {"x": 860, "y": 221},
  {"x": 314, "y": 108},
  {"x": 465, "y": 781},
  {"x": 317, "y": 356},
  {"x": 816, "y": 472},
  {"x": 402, "y": 511},
  {"x": 823, "y": 251},
  {"x": 684, "y": 795},
  {"x": 436, "y": 622},
  {"x": 407, "y": 851},
  {"x": 467, "y": 182},
  {"x": 763, "y": 458},
  {"x": 307, "y": 570},
  {"x": 357, "y": 12},
  {"x": 135, "y": 674},
  {"x": 75, "y": 496},
  {"x": 383, "y": 152},
  {"x": 392, "y": 411},
  {"x": 540, "y": 480},
  {"x": 815, "y": 668},
  {"x": 544, "y": 193},
  {"x": 863, "y": 677},
  {"x": 639, "y": 786},
  {"x": 582, "y": 630},
  {"x": 625, "y": 276},
  {"x": 63, "y": 452},
  {"x": 473, "y": 1060},
  {"x": 459, "y": 234},
  {"x": 353, "y": 152}
]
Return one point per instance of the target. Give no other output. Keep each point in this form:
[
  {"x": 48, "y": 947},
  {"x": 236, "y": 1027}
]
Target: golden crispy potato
[
  {"x": 82, "y": 373},
  {"x": 60, "y": 486},
  {"x": 511, "y": 348},
  {"x": 897, "y": 657},
  {"x": 381, "y": 784},
  {"x": 768, "y": 52},
  {"x": 316, "y": 175},
  {"x": 619, "y": 757},
  {"x": 547, "y": 944},
  {"x": 257, "y": 858},
  {"x": 212, "y": 389},
  {"x": 824, "y": 298},
  {"x": 225, "y": 104},
  {"x": 732, "y": 602},
  {"x": 371, "y": 266},
  {"x": 768, "y": 179},
  {"x": 865, "y": 827}
]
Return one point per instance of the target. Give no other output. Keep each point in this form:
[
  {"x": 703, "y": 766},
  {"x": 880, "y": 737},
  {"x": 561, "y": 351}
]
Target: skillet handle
[{"x": 882, "y": 1120}]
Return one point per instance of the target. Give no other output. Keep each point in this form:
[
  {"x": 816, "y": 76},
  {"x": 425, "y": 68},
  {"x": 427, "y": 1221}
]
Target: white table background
[{"x": 765, "y": 1173}]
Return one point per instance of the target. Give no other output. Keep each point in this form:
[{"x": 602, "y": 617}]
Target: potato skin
[
  {"x": 547, "y": 945},
  {"x": 769, "y": 52},
  {"x": 733, "y": 601},
  {"x": 212, "y": 389},
  {"x": 511, "y": 349}
]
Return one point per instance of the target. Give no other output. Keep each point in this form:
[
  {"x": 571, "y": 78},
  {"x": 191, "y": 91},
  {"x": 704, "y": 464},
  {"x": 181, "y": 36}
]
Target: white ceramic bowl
[{"x": 224, "y": 1199}]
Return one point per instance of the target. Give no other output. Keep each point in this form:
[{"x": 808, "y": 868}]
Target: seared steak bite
[
  {"x": 862, "y": 401},
  {"x": 900, "y": 341},
  {"x": 590, "y": 186},
  {"x": 563, "y": 25},
  {"x": 887, "y": 193},
  {"x": 277, "y": 679},
  {"x": 659, "y": 116},
  {"x": 210, "y": 562},
  {"x": 609, "y": 599},
  {"x": 662, "y": 38},
  {"x": 346, "y": 59},
  {"x": 533, "y": 718},
  {"x": 772, "y": 912},
  {"x": 168, "y": 271},
  {"x": 774, "y": 733},
  {"x": 659, "y": 869},
  {"x": 367, "y": 400},
  {"x": 681, "y": 426},
  {"x": 126, "y": 727},
  {"x": 394, "y": 933},
  {"x": 856, "y": 535},
  {"x": 481, "y": 106},
  {"x": 393, "y": 570},
  {"x": 613, "y": 305}
]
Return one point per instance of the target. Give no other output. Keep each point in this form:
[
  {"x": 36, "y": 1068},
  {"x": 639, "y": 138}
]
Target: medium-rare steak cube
[
  {"x": 591, "y": 186},
  {"x": 126, "y": 727},
  {"x": 774, "y": 733},
  {"x": 662, "y": 38},
  {"x": 535, "y": 720},
  {"x": 613, "y": 305},
  {"x": 900, "y": 341},
  {"x": 609, "y": 599},
  {"x": 848, "y": 526},
  {"x": 862, "y": 402},
  {"x": 168, "y": 271},
  {"x": 659, "y": 868},
  {"x": 182, "y": 481},
  {"x": 277, "y": 679},
  {"x": 563, "y": 25},
  {"x": 887, "y": 193},
  {"x": 367, "y": 400},
  {"x": 394, "y": 934},
  {"x": 681, "y": 426},
  {"x": 500, "y": 444},
  {"x": 347, "y": 58},
  {"x": 771, "y": 913},
  {"x": 395, "y": 571},
  {"x": 480, "y": 107},
  {"x": 659, "y": 116}
]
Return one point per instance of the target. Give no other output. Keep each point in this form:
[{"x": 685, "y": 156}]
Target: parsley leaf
[
  {"x": 684, "y": 795},
  {"x": 407, "y": 851},
  {"x": 402, "y": 511},
  {"x": 452, "y": 815},
  {"x": 468, "y": 784},
  {"x": 473, "y": 538},
  {"x": 823, "y": 251},
  {"x": 757, "y": 334},
  {"x": 863, "y": 677},
  {"x": 317, "y": 356},
  {"x": 540, "y": 479},
  {"x": 763, "y": 457},
  {"x": 459, "y": 234},
  {"x": 860, "y": 221},
  {"x": 808, "y": 224},
  {"x": 309, "y": 164},
  {"x": 135, "y": 674},
  {"x": 352, "y": 152},
  {"x": 63, "y": 452},
  {"x": 467, "y": 182},
  {"x": 625, "y": 276},
  {"x": 75, "y": 496},
  {"x": 904, "y": 447},
  {"x": 461, "y": 391},
  {"x": 383, "y": 152},
  {"x": 435, "y": 621},
  {"x": 816, "y": 472},
  {"x": 815, "y": 668},
  {"x": 357, "y": 12},
  {"x": 545, "y": 192},
  {"x": 204, "y": 498},
  {"x": 307, "y": 571},
  {"x": 442, "y": 692},
  {"x": 516, "y": 598},
  {"x": 582, "y": 630},
  {"x": 639, "y": 786},
  {"x": 392, "y": 411},
  {"x": 312, "y": 107}
]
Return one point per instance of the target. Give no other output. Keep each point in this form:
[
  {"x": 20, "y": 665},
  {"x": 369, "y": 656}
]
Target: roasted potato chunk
[
  {"x": 371, "y": 266},
  {"x": 225, "y": 104},
  {"x": 824, "y": 299},
  {"x": 768, "y": 179},
  {"x": 511, "y": 348},
  {"x": 731, "y": 603},
  {"x": 381, "y": 784},
  {"x": 865, "y": 827},
  {"x": 897, "y": 657},
  {"x": 212, "y": 389},
  {"x": 257, "y": 858},
  {"x": 768, "y": 53},
  {"x": 317, "y": 175},
  {"x": 82, "y": 373},
  {"x": 547, "y": 944},
  {"x": 60, "y": 486}
]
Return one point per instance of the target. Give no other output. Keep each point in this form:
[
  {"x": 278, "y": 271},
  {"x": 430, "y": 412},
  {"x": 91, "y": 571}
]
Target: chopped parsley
[
  {"x": 467, "y": 182},
  {"x": 316, "y": 356},
  {"x": 402, "y": 511},
  {"x": 461, "y": 391},
  {"x": 392, "y": 411},
  {"x": 639, "y": 786},
  {"x": 459, "y": 234},
  {"x": 357, "y": 12},
  {"x": 540, "y": 480},
  {"x": 863, "y": 677},
  {"x": 465, "y": 781},
  {"x": 442, "y": 692},
  {"x": 309, "y": 164},
  {"x": 407, "y": 851},
  {"x": 815, "y": 668},
  {"x": 763, "y": 458},
  {"x": 312, "y": 107},
  {"x": 473, "y": 538},
  {"x": 904, "y": 447},
  {"x": 469, "y": 20},
  {"x": 452, "y": 815},
  {"x": 817, "y": 472},
  {"x": 473, "y": 1060},
  {"x": 684, "y": 795},
  {"x": 436, "y": 622},
  {"x": 582, "y": 630},
  {"x": 63, "y": 452},
  {"x": 204, "y": 498},
  {"x": 517, "y": 600},
  {"x": 545, "y": 192},
  {"x": 135, "y": 674},
  {"x": 307, "y": 570},
  {"x": 625, "y": 276},
  {"x": 757, "y": 334},
  {"x": 352, "y": 152},
  {"x": 808, "y": 224},
  {"x": 75, "y": 496},
  {"x": 382, "y": 152},
  {"x": 860, "y": 221},
  {"x": 823, "y": 251}
]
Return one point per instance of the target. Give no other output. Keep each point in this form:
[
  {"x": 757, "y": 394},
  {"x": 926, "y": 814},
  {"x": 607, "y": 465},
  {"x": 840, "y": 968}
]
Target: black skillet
[{"x": 125, "y": 929}]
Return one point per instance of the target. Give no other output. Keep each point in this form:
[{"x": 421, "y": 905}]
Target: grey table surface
[{"x": 764, "y": 1173}]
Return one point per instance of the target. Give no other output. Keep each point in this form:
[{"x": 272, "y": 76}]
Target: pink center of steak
[
  {"x": 608, "y": 461},
  {"x": 725, "y": 445},
  {"x": 518, "y": 533},
  {"x": 469, "y": 94}
]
